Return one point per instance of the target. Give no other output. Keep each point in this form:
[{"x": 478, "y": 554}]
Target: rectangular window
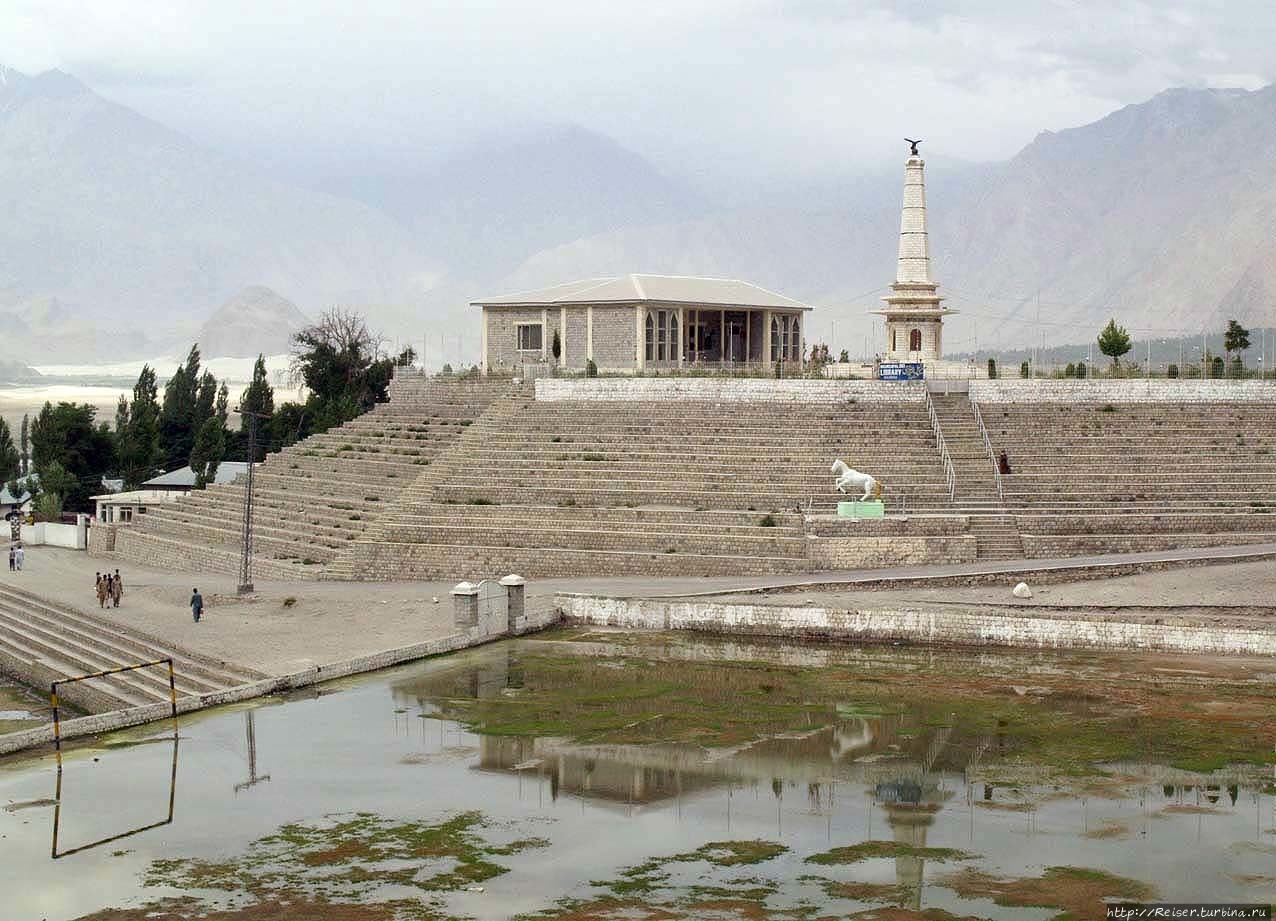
[{"x": 530, "y": 337}]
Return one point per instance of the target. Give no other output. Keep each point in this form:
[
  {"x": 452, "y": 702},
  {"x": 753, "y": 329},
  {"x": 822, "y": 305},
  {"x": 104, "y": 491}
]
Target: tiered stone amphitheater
[
  {"x": 460, "y": 479},
  {"x": 312, "y": 498}
]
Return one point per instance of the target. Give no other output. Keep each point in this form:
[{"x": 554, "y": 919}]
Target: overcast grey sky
[{"x": 807, "y": 86}]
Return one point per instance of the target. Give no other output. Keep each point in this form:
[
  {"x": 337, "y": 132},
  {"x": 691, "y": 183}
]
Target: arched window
[
  {"x": 662, "y": 335},
  {"x": 673, "y": 336},
  {"x": 915, "y": 341},
  {"x": 651, "y": 337},
  {"x": 795, "y": 341},
  {"x": 775, "y": 339}
]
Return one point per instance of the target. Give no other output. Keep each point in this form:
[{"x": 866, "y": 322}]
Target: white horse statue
[{"x": 848, "y": 477}]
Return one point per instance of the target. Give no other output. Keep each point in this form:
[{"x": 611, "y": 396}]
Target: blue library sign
[{"x": 900, "y": 371}]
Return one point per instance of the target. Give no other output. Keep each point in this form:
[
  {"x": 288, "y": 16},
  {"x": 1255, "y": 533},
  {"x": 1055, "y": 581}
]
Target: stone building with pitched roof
[{"x": 640, "y": 322}]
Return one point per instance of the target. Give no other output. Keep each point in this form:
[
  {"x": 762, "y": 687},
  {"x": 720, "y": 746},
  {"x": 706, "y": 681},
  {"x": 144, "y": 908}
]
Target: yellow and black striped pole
[
  {"x": 57, "y": 726},
  {"x": 172, "y": 693}
]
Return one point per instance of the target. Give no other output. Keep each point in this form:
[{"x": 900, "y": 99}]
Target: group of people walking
[
  {"x": 16, "y": 557},
  {"x": 110, "y": 589}
]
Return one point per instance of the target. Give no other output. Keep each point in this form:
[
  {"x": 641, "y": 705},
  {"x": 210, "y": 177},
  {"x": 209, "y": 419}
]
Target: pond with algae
[
  {"x": 21, "y": 707},
  {"x": 596, "y": 775}
]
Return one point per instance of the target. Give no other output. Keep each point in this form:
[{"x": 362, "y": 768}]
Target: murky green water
[
  {"x": 21, "y": 707},
  {"x": 573, "y": 776}
]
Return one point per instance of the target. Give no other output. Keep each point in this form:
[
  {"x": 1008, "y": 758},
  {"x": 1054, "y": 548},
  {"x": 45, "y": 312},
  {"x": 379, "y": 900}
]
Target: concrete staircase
[
  {"x": 41, "y": 641},
  {"x": 313, "y": 498},
  {"x": 975, "y": 488}
]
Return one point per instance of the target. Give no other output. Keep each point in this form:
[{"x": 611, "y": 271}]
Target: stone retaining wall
[
  {"x": 725, "y": 390},
  {"x": 1047, "y": 546},
  {"x": 881, "y": 552},
  {"x": 956, "y": 628},
  {"x": 1122, "y": 391},
  {"x": 893, "y": 526}
]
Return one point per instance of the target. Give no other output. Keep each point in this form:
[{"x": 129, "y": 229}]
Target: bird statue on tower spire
[{"x": 914, "y": 146}]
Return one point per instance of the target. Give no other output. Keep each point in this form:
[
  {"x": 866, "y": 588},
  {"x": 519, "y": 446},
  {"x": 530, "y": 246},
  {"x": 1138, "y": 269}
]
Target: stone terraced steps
[
  {"x": 1105, "y": 478},
  {"x": 563, "y": 488},
  {"x": 53, "y": 638},
  {"x": 312, "y": 498}
]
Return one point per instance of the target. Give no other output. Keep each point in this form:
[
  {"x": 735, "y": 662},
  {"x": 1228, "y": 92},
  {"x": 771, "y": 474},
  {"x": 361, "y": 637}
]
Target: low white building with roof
[
  {"x": 19, "y": 504},
  {"x": 636, "y": 322},
  {"x": 120, "y": 507}
]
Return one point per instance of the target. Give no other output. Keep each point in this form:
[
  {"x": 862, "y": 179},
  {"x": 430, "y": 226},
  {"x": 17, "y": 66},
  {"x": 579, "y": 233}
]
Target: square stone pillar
[
  {"x": 465, "y": 598},
  {"x": 515, "y": 588}
]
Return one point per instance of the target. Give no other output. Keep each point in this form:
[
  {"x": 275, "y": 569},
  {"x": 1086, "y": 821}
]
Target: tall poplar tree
[
  {"x": 177, "y": 416},
  {"x": 139, "y": 441}
]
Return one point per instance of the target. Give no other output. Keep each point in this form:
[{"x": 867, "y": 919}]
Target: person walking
[
  {"x": 117, "y": 590},
  {"x": 103, "y": 586},
  {"x": 197, "y": 604},
  {"x": 13, "y": 558},
  {"x": 18, "y": 556}
]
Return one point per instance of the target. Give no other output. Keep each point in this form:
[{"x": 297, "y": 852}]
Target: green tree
[
  {"x": 177, "y": 416},
  {"x": 259, "y": 396},
  {"x": 47, "y": 507},
  {"x": 289, "y": 424},
  {"x": 1235, "y": 338},
  {"x": 138, "y": 442},
  {"x": 339, "y": 360},
  {"x": 208, "y": 451},
  {"x": 1114, "y": 341},
  {"x": 25, "y": 444},
  {"x": 222, "y": 407},
  {"x": 10, "y": 462},
  {"x": 65, "y": 437},
  {"x": 56, "y": 480},
  {"x": 121, "y": 417},
  {"x": 205, "y": 403}
]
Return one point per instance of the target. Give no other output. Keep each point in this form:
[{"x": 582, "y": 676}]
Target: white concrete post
[
  {"x": 515, "y": 588},
  {"x": 465, "y": 605}
]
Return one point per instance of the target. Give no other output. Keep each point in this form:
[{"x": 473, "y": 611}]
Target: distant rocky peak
[{"x": 18, "y": 89}]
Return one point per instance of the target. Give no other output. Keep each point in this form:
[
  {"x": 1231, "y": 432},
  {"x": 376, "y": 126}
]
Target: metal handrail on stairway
[
  {"x": 950, "y": 478},
  {"x": 992, "y": 458}
]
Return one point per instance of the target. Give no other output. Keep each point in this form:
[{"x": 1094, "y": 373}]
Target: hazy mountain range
[{"x": 121, "y": 238}]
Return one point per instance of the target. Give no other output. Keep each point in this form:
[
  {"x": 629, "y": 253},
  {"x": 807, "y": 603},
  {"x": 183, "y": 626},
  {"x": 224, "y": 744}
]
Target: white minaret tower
[{"x": 914, "y": 312}]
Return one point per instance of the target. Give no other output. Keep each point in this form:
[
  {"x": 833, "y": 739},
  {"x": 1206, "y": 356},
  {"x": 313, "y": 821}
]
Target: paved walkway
[
  {"x": 686, "y": 588},
  {"x": 286, "y": 627}
]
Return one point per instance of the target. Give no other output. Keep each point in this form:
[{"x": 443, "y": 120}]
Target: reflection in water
[
  {"x": 876, "y": 783},
  {"x": 911, "y": 764},
  {"x": 250, "y": 730},
  {"x": 57, "y": 813}
]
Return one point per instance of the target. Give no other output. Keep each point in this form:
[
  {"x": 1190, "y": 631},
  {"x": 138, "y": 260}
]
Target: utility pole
[{"x": 246, "y": 550}]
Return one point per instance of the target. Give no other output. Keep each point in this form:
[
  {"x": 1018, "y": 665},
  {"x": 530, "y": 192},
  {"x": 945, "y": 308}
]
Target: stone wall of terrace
[
  {"x": 725, "y": 390},
  {"x": 1152, "y": 390}
]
